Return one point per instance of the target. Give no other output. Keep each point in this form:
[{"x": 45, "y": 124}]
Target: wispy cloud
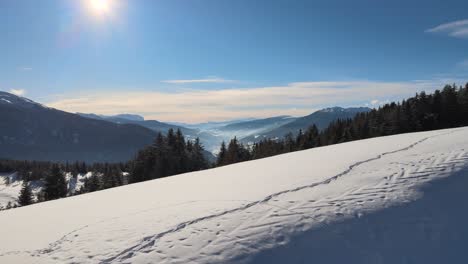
[
  {"x": 202, "y": 105},
  {"x": 457, "y": 29},
  {"x": 25, "y": 68},
  {"x": 204, "y": 80},
  {"x": 19, "y": 92}
]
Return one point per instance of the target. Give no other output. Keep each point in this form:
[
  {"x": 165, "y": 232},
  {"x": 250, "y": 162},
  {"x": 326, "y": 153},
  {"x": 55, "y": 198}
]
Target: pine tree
[
  {"x": 221, "y": 160},
  {"x": 450, "y": 110},
  {"x": 55, "y": 185},
  {"x": 26, "y": 195},
  {"x": 463, "y": 102},
  {"x": 198, "y": 158},
  {"x": 289, "y": 144},
  {"x": 92, "y": 184}
]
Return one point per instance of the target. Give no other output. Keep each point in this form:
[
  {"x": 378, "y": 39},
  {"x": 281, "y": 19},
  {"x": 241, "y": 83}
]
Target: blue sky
[{"x": 199, "y": 60}]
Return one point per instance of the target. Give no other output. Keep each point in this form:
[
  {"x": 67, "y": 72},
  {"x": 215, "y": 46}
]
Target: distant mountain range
[
  {"x": 139, "y": 120},
  {"x": 31, "y": 131},
  {"x": 210, "y": 141},
  {"x": 321, "y": 119},
  {"x": 259, "y": 124},
  {"x": 117, "y": 117}
]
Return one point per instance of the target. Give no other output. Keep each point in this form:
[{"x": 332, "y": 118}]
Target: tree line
[
  {"x": 55, "y": 178},
  {"x": 446, "y": 108},
  {"x": 168, "y": 155}
]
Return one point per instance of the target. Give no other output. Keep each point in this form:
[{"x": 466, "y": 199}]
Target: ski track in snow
[
  {"x": 412, "y": 173},
  {"x": 150, "y": 241}
]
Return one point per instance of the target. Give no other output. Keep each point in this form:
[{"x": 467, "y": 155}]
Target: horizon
[
  {"x": 236, "y": 120},
  {"x": 196, "y": 62}
]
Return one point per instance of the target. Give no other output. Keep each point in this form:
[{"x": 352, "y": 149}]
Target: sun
[{"x": 99, "y": 7}]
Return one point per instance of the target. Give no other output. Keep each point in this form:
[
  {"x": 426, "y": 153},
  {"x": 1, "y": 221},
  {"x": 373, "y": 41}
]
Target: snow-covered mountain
[
  {"x": 395, "y": 199},
  {"x": 11, "y": 100}
]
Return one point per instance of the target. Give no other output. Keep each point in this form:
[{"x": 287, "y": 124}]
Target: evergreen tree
[
  {"x": 198, "y": 158},
  {"x": 55, "y": 185},
  {"x": 91, "y": 184},
  {"x": 463, "y": 102},
  {"x": 221, "y": 160},
  {"x": 26, "y": 196}
]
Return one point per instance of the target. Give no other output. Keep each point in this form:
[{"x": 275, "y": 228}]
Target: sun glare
[{"x": 99, "y": 7}]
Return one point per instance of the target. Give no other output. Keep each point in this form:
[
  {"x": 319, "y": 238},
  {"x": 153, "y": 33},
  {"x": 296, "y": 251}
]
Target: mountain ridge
[
  {"x": 321, "y": 118},
  {"x": 31, "y": 131}
]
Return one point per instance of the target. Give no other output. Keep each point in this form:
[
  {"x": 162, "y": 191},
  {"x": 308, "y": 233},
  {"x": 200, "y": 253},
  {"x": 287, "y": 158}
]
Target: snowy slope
[{"x": 343, "y": 202}]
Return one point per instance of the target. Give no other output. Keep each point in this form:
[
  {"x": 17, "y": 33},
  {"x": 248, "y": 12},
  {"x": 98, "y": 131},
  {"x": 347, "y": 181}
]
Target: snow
[
  {"x": 396, "y": 199},
  {"x": 10, "y": 192},
  {"x": 11, "y": 184},
  {"x": 5, "y": 100}
]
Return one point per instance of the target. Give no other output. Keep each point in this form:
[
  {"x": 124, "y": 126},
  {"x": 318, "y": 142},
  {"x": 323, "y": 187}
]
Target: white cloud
[
  {"x": 295, "y": 99},
  {"x": 26, "y": 68},
  {"x": 19, "y": 92},
  {"x": 458, "y": 29},
  {"x": 205, "y": 80},
  {"x": 375, "y": 102}
]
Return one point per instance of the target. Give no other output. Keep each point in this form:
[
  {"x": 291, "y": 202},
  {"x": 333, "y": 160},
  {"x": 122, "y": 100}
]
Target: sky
[{"x": 210, "y": 60}]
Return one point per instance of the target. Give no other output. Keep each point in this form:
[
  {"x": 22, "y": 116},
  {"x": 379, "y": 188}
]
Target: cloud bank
[
  {"x": 457, "y": 29},
  {"x": 192, "y": 106}
]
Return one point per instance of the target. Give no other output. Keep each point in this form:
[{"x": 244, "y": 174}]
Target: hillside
[
  {"x": 31, "y": 131},
  {"x": 392, "y": 199}
]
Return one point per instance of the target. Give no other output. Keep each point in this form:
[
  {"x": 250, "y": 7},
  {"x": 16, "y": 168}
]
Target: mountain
[
  {"x": 31, "y": 131},
  {"x": 210, "y": 141},
  {"x": 245, "y": 128},
  {"x": 213, "y": 133},
  {"x": 212, "y": 125},
  {"x": 139, "y": 120},
  {"x": 130, "y": 117},
  {"x": 257, "y": 125},
  {"x": 394, "y": 199},
  {"x": 321, "y": 119}
]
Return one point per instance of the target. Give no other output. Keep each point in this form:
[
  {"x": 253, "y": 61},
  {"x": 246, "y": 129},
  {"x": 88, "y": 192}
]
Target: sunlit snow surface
[{"x": 343, "y": 202}]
